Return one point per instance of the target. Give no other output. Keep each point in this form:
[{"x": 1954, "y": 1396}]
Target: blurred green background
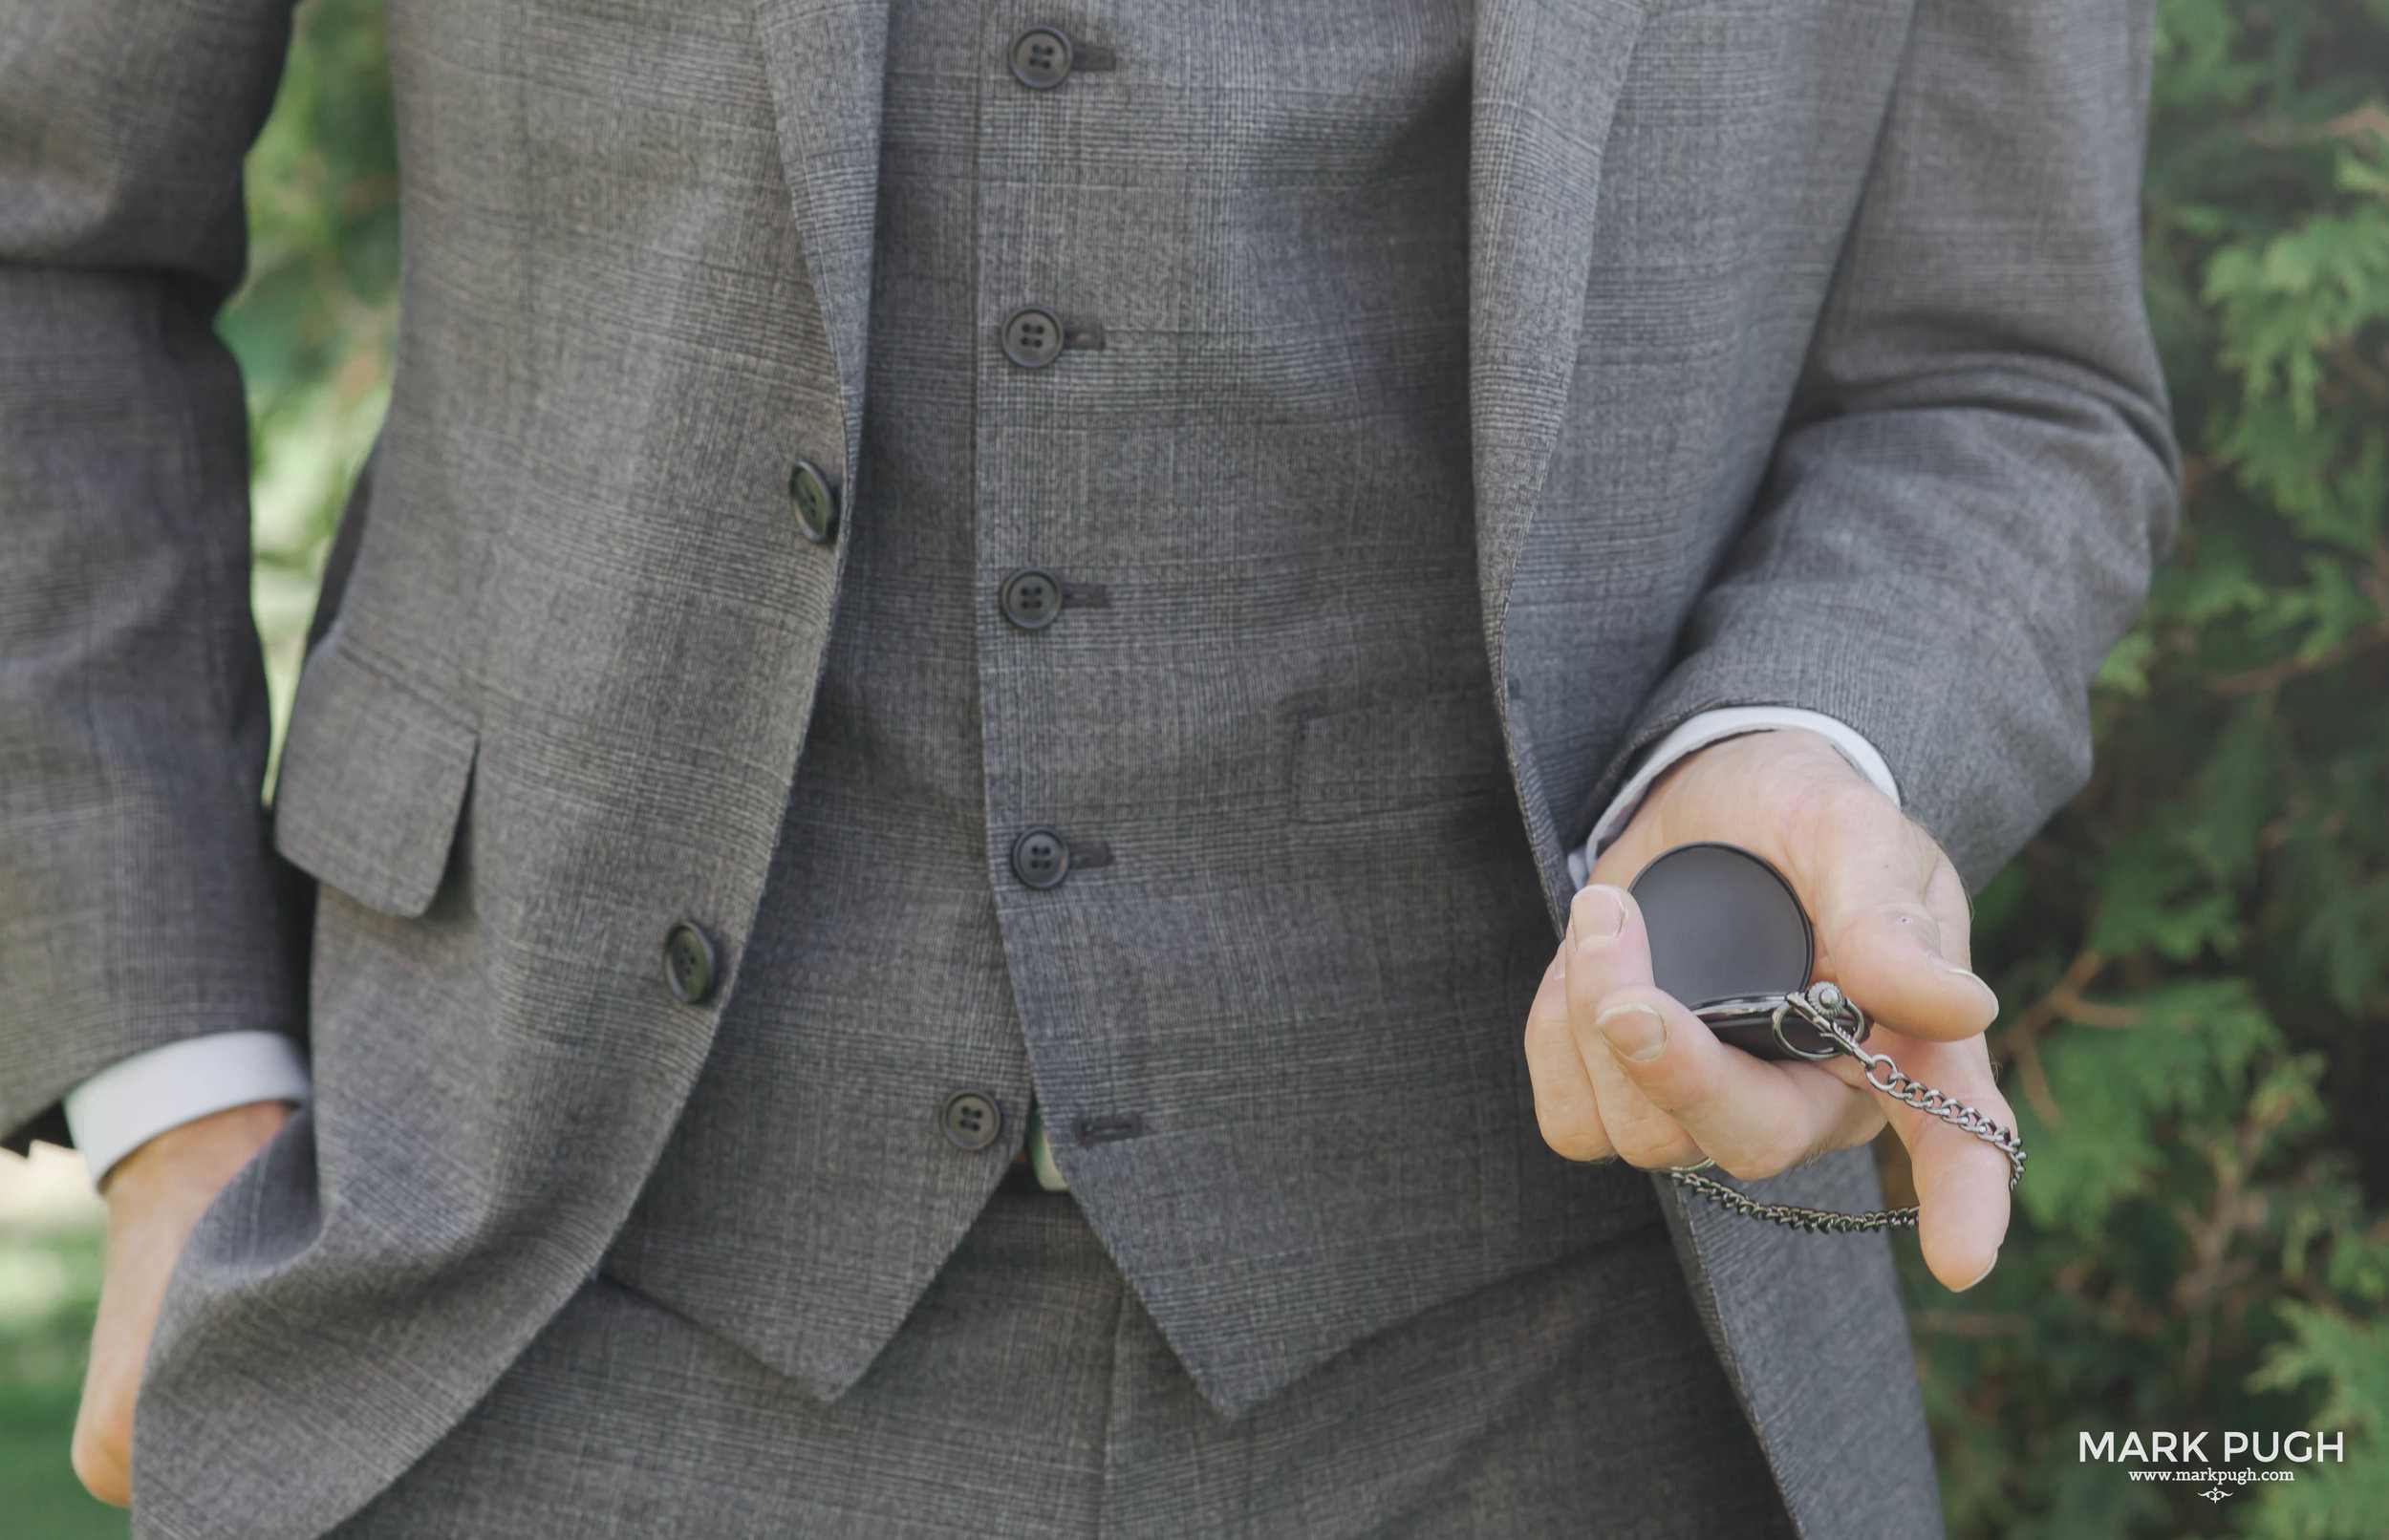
[{"x": 2194, "y": 954}]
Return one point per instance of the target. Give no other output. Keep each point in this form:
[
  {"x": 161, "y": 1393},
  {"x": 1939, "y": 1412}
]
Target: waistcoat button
[
  {"x": 1032, "y": 336},
  {"x": 972, "y": 1120},
  {"x": 688, "y": 963},
  {"x": 815, "y": 501},
  {"x": 1030, "y": 598},
  {"x": 1040, "y": 857},
  {"x": 1041, "y": 58}
]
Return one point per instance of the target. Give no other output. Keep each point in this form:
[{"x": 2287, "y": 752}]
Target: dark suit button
[
  {"x": 1040, "y": 857},
  {"x": 688, "y": 963},
  {"x": 1032, "y": 336},
  {"x": 815, "y": 499},
  {"x": 1030, "y": 598},
  {"x": 972, "y": 1120},
  {"x": 1041, "y": 58}
]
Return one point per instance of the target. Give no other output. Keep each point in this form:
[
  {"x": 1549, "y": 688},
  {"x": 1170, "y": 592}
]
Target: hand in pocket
[{"x": 155, "y": 1196}]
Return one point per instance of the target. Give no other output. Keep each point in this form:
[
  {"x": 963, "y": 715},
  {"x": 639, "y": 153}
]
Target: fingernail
[
  {"x": 1967, "y": 973},
  {"x": 1633, "y": 1032},
  {"x": 1979, "y": 1277},
  {"x": 1598, "y": 914}
]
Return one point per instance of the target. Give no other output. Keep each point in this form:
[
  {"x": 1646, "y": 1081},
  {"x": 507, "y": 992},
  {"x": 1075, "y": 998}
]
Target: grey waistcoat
[{"x": 1260, "y": 722}]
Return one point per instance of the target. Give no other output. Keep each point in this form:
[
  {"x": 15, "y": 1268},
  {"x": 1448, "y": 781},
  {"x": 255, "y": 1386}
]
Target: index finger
[{"x": 1892, "y": 919}]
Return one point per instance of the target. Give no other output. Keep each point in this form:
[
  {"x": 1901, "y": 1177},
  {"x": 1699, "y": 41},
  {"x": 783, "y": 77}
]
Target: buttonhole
[
  {"x": 1110, "y": 1127},
  {"x": 1089, "y": 851},
  {"x": 1082, "y": 334}
]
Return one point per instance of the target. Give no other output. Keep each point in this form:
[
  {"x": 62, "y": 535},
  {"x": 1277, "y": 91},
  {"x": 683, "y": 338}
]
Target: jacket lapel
[
  {"x": 1546, "y": 83},
  {"x": 1547, "y": 77},
  {"x": 826, "y": 59}
]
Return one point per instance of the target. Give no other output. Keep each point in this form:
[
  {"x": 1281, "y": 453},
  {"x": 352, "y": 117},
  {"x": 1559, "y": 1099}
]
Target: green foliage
[
  {"x": 2351, "y": 1361},
  {"x": 313, "y": 323},
  {"x": 2199, "y": 1241}
]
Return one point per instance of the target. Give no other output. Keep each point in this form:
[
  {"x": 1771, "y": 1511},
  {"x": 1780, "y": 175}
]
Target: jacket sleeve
[
  {"x": 141, "y": 902},
  {"x": 1977, "y": 470}
]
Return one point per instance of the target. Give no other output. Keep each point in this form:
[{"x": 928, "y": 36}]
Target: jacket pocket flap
[{"x": 374, "y": 772}]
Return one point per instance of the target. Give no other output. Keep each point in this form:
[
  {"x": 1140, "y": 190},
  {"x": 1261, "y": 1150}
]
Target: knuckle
[
  {"x": 1769, "y": 1157},
  {"x": 1671, "y": 1084},
  {"x": 1648, "y": 997},
  {"x": 100, "y": 1459},
  {"x": 1575, "y": 1139},
  {"x": 1649, "y": 1153},
  {"x": 1835, "y": 806}
]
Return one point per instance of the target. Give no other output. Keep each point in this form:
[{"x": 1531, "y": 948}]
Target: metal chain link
[{"x": 1838, "y": 1017}]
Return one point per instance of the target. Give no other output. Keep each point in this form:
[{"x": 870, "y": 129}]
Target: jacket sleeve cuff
[
  {"x": 134, "y": 1100},
  {"x": 1709, "y": 727}
]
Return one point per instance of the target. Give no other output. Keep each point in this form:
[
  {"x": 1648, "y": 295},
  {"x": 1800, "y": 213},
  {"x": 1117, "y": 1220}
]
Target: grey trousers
[{"x": 1029, "y": 1395}]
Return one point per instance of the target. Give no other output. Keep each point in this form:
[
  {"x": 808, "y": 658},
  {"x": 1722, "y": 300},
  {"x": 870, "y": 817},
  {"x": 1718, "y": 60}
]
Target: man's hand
[
  {"x": 1621, "y": 1069},
  {"x": 155, "y": 1196}
]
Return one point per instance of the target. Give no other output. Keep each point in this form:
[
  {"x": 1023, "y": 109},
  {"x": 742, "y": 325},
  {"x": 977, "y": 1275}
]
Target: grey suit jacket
[{"x": 1807, "y": 367}]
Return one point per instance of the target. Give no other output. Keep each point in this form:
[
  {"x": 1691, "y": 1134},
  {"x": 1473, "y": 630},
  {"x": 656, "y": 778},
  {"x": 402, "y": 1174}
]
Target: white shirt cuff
[
  {"x": 134, "y": 1100},
  {"x": 1709, "y": 727}
]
